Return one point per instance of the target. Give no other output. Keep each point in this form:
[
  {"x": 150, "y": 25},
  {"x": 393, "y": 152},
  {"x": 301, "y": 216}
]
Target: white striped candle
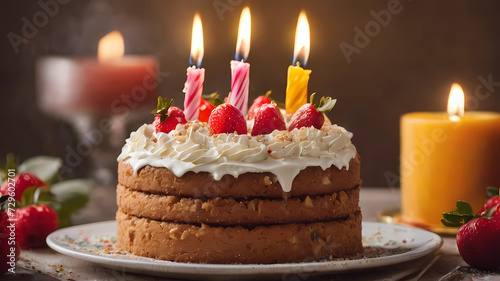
[
  {"x": 239, "y": 68},
  {"x": 239, "y": 85},
  {"x": 193, "y": 89}
]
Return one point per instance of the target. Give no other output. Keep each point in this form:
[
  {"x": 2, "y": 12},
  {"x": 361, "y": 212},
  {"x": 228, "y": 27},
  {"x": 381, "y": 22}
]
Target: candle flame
[
  {"x": 302, "y": 40},
  {"x": 111, "y": 47},
  {"x": 244, "y": 33},
  {"x": 456, "y": 103},
  {"x": 196, "y": 42}
]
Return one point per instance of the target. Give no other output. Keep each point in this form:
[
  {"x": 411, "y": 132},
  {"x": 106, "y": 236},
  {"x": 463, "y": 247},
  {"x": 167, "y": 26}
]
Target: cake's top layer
[{"x": 191, "y": 147}]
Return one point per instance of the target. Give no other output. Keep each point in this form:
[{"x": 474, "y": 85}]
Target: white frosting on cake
[{"x": 190, "y": 147}]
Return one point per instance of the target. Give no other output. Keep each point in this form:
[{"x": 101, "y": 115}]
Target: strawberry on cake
[{"x": 265, "y": 189}]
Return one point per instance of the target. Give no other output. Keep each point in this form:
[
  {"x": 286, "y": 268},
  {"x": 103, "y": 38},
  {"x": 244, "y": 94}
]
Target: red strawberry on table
[
  {"x": 268, "y": 119},
  {"x": 478, "y": 239},
  {"x": 310, "y": 114},
  {"x": 167, "y": 117},
  {"x": 3, "y": 221},
  {"x": 33, "y": 225},
  {"x": 478, "y": 242},
  {"x": 7, "y": 257},
  {"x": 257, "y": 103},
  {"x": 21, "y": 183},
  {"x": 226, "y": 118}
]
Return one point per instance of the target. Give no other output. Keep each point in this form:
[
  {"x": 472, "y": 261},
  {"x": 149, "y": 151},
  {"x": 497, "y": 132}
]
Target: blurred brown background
[{"x": 407, "y": 65}]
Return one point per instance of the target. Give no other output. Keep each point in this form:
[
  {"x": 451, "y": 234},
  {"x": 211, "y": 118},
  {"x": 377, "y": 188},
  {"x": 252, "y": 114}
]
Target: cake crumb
[
  {"x": 326, "y": 181},
  {"x": 267, "y": 181},
  {"x": 308, "y": 202}
]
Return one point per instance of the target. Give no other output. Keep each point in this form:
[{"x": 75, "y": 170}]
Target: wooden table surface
[{"x": 45, "y": 264}]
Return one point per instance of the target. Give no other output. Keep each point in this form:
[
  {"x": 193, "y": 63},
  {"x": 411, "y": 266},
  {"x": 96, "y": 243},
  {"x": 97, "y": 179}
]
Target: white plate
[{"x": 416, "y": 242}]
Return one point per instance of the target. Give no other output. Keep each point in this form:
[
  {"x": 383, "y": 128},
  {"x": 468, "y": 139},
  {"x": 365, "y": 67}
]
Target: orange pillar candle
[
  {"x": 298, "y": 78},
  {"x": 445, "y": 158}
]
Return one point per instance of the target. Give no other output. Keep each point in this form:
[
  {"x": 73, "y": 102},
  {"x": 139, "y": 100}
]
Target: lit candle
[
  {"x": 193, "y": 87},
  {"x": 296, "y": 86},
  {"x": 445, "y": 158},
  {"x": 111, "y": 84},
  {"x": 239, "y": 68}
]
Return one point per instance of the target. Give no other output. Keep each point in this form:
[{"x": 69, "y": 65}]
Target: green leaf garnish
[
  {"x": 3, "y": 199},
  {"x": 162, "y": 108},
  {"x": 10, "y": 164},
  {"x": 28, "y": 197},
  {"x": 72, "y": 195},
  {"x": 214, "y": 99},
  {"x": 325, "y": 103},
  {"x": 44, "y": 167},
  {"x": 311, "y": 100},
  {"x": 44, "y": 196},
  {"x": 492, "y": 192},
  {"x": 462, "y": 214},
  {"x": 280, "y": 105}
]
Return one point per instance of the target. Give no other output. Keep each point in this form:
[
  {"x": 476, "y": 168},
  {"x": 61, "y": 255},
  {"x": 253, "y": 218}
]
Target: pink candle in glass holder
[
  {"x": 193, "y": 88},
  {"x": 111, "y": 84},
  {"x": 239, "y": 68}
]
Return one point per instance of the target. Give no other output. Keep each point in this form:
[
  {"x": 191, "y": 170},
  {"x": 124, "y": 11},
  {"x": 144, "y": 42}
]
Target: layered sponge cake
[{"x": 190, "y": 195}]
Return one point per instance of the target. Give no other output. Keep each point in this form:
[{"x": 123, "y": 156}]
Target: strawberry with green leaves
[
  {"x": 478, "y": 238},
  {"x": 20, "y": 183},
  {"x": 167, "y": 117},
  {"x": 9, "y": 249},
  {"x": 311, "y": 114},
  {"x": 39, "y": 206},
  {"x": 33, "y": 220}
]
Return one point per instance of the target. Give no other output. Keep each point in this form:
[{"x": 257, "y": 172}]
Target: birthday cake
[{"x": 264, "y": 190}]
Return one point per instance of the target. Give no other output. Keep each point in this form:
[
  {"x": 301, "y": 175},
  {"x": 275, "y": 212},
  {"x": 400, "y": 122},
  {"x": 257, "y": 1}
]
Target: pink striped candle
[
  {"x": 193, "y": 88},
  {"x": 239, "y": 68},
  {"x": 239, "y": 85}
]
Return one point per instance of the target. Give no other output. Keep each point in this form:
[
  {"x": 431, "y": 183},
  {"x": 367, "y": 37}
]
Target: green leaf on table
[
  {"x": 44, "y": 167},
  {"x": 3, "y": 199},
  {"x": 44, "y": 196},
  {"x": 71, "y": 195},
  {"x": 36, "y": 195},
  {"x": 27, "y": 198},
  {"x": 492, "y": 192},
  {"x": 460, "y": 215},
  {"x": 10, "y": 164}
]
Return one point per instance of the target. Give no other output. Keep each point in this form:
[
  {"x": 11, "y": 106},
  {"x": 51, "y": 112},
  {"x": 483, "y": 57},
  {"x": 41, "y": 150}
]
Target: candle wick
[
  {"x": 194, "y": 59},
  {"x": 300, "y": 56}
]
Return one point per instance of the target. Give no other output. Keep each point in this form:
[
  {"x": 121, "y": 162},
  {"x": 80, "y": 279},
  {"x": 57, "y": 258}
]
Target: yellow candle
[
  {"x": 298, "y": 78},
  {"x": 447, "y": 158},
  {"x": 296, "y": 88}
]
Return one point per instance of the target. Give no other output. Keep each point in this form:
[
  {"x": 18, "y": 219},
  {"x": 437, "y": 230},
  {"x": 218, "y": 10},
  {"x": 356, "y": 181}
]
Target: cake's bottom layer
[
  {"x": 228, "y": 211},
  {"x": 259, "y": 245}
]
